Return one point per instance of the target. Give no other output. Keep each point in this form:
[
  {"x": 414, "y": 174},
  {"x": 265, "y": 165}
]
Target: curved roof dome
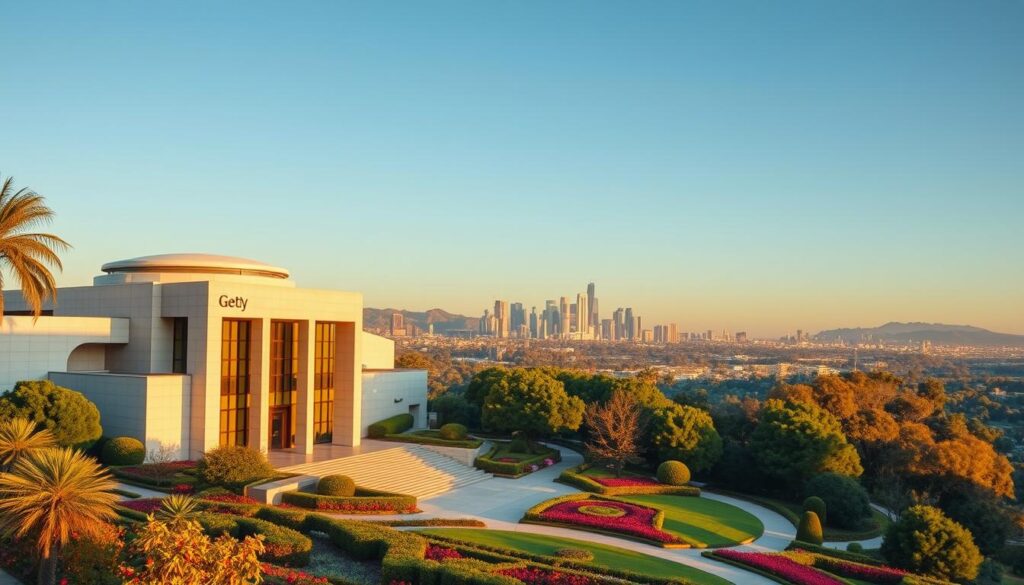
[{"x": 195, "y": 264}]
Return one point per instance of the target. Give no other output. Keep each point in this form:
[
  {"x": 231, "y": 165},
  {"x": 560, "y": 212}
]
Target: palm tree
[
  {"x": 177, "y": 508},
  {"x": 18, "y": 437},
  {"x": 28, "y": 255},
  {"x": 55, "y": 494}
]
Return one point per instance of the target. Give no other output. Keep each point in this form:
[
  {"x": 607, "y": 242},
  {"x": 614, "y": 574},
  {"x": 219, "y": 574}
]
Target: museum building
[{"x": 199, "y": 350}]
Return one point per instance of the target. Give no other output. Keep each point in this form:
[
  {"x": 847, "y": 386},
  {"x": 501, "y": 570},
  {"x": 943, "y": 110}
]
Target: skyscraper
[
  {"x": 501, "y": 313},
  {"x": 582, "y": 317},
  {"x": 397, "y": 325},
  {"x": 517, "y": 319},
  {"x": 563, "y": 318},
  {"x": 673, "y": 334},
  {"x": 533, "y": 323},
  {"x": 592, "y": 319},
  {"x": 630, "y": 330},
  {"x": 618, "y": 325},
  {"x": 606, "y": 329}
]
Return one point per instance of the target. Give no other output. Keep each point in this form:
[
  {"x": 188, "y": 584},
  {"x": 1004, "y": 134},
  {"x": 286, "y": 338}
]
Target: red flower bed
[
  {"x": 440, "y": 553},
  {"x": 880, "y": 575},
  {"x": 230, "y": 499},
  {"x": 781, "y": 566},
  {"x": 183, "y": 488},
  {"x": 144, "y": 505},
  {"x": 542, "y": 577},
  {"x": 364, "y": 507},
  {"x": 625, "y": 481},
  {"x": 291, "y": 576},
  {"x": 637, "y": 520}
]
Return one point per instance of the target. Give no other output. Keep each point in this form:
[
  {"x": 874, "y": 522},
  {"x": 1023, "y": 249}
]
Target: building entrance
[{"x": 280, "y": 428}]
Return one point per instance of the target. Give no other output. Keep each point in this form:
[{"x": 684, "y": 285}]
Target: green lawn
[
  {"x": 702, "y": 522},
  {"x": 602, "y": 473},
  {"x": 604, "y": 555}
]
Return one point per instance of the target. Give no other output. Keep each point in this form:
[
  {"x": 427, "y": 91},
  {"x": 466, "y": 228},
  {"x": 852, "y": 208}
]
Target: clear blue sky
[{"x": 750, "y": 165}]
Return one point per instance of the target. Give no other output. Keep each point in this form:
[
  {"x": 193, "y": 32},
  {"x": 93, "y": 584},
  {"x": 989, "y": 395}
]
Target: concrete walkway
[
  {"x": 143, "y": 492},
  {"x": 7, "y": 579}
]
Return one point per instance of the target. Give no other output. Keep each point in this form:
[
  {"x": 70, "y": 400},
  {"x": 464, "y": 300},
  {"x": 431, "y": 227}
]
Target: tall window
[
  {"x": 323, "y": 382},
  {"x": 234, "y": 382},
  {"x": 179, "y": 345},
  {"x": 284, "y": 368}
]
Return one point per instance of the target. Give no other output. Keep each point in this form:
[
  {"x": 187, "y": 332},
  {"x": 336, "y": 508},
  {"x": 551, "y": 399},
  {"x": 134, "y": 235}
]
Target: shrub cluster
[
  {"x": 673, "y": 473},
  {"x": 578, "y": 480},
  {"x": 846, "y": 501},
  {"x": 284, "y": 546},
  {"x": 490, "y": 463},
  {"x": 428, "y": 440},
  {"x": 233, "y": 467},
  {"x": 364, "y": 501},
  {"x": 336, "y": 485},
  {"x": 123, "y": 451},
  {"x": 453, "y": 432},
  {"x": 391, "y": 426},
  {"x": 818, "y": 506}
]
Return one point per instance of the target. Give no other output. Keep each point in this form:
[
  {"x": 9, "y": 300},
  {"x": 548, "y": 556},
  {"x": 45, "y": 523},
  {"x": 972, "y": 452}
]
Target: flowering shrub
[
  {"x": 625, "y": 481},
  {"x": 364, "y": 502},
  {"x": 507, "y": 460},
  {"x": 92, "y": 559},
  {"x": 635, "y": 520},
  {"x": 291, "y": 576},
  {"x": 440, "y": 553},
  {"x": 183, "y": 488},
  {"x": 542, "y": 577},
  {"x": 549, "y": 462},
  {"x": 780, "y": 566},
  {"x": 230, "y": 499}
]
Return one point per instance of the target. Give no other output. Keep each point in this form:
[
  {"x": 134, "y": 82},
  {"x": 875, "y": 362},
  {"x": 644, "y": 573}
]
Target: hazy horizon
[{"x": 718, "y": 165}]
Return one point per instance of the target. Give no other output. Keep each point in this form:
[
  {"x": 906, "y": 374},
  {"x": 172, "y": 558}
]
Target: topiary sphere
[
  {"x": 453, "y": 432},
  {"x": 673, "y": 473},
  {"x": 816, "y": 505},
  {"x": 855, "y": 547},
  {"x": 336, "y": 485},
  {"x": 123, "y": 451}
]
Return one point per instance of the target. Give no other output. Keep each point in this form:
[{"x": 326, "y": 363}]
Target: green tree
[
  {"x": 925, "y": 541},
  {"x": 27, "y": 255},
  {"x": 796, "y": 440},
  {"x": 483, "y": 382},
  {"x": 55, "y": 496},
  {"x": 846, "y": 501},
  {"x": 687, "y": 434},
  {"x": 73, "y": 420},
  {"x": 533, "y": 402}
]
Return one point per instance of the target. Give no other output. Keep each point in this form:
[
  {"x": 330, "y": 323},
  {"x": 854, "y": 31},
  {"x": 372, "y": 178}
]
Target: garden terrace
[
  {"x": 432, "y": 437},
  {"x": 504, "y": 462},
  {"x": 599, "y": 481}
]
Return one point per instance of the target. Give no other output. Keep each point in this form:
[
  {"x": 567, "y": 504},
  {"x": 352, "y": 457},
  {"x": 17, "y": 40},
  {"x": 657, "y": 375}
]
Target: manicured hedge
[
  {"x": 123, "y": 451},
  {"x": 832, "y": 552},
  {"x": 489, "y": 464},
  {"x": 426, "y": 440},
  {"x": 391, "y": 426},
  {"x": 578, "y": 480},
  {"x": 365, "y": 501},
  {"x": 284, "y": 546}
]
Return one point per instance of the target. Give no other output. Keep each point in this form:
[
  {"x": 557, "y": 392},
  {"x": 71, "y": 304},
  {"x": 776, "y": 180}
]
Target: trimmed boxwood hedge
[
  {"x": 425, "y": 440},
  {"x": 402, "y": 555},
  {"x": 123, "y": 451},
  {"x": 391, "y": 426},
  {"x": 578, "y": 480},
  {"x": 365, "y": 501},
  {"x": 284, "y": 546},
  {"x": 488, "y": 463}
]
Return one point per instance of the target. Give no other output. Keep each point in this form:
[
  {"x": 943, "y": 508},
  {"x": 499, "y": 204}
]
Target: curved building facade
[{"x": 199, "y": 350}]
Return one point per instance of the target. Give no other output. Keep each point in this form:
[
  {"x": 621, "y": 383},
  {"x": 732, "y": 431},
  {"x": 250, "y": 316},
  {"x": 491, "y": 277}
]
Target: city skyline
[{"x": 722, "y": 166}]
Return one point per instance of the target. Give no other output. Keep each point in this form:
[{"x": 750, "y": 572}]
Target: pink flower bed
[
  {"x": 880, "y": 575},
  {"x": 637, "y": 521},
  {"x": 542, "y": 577},
  {"x": 781, "y": 566},
  {"x": 625, "y": 481},
  {"x": 441, "y": 553}
]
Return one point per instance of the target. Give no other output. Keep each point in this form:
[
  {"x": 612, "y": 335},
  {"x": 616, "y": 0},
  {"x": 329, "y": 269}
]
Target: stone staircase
[{"x": 407, "y": 469}]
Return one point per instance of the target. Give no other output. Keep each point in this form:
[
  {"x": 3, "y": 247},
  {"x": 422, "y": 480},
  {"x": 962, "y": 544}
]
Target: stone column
[
  {"x": 306, "y": 391},
  {"x": 348, "y": 387},
  {"x": 259, "y": 384}
]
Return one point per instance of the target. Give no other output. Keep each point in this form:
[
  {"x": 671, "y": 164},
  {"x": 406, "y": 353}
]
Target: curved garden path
[{"x": 500, "y": 503}]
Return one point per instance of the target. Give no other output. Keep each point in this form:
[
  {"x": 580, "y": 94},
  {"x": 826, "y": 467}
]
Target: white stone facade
[{"x": 115, "y": 342}]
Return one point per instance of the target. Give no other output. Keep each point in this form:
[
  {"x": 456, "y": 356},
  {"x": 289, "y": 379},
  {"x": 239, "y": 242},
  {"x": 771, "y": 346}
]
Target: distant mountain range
[
  {"x": 936, "y": 333},
  {"x": 443, "y": 320}
]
